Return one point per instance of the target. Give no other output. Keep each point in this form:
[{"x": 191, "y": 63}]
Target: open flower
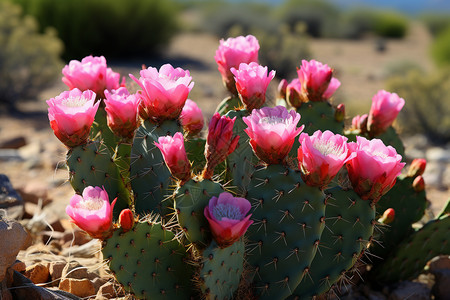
[
  {"x": 174, "y": 154},
  {"x": 122, "y": 112},
  {"x": 385, "y": 108},
  {"x": 231, "y": 53},
  {"x": 192, "y": 118},
  {"x": 332, "y": 87},
  {"x": 321, "y": 156},
  {"x": 251, "y": 83},
  {"x": 92, "y": 212},
  {"x": 315, "y": 78},
  {"x": 163, "y": 93},
  {"x": 71, "y": 115},
  {"x": 227, "y": 218},
  {"x": 92, "y": 74},
  {"x": 272, "y": 132},
  {"x": 374, "y": 168},
  {"x": 294, "y": 93}
]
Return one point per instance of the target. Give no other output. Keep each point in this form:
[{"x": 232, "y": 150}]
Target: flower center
[
  {"x": 328, "y": 147},
  {"x": 273, "y": 120},
  {"x": 74, "y": 101},
  {"x": 380, "y": 154},
  {"x": 227, "y": 211},
  {"x": 91, "y": 204}
]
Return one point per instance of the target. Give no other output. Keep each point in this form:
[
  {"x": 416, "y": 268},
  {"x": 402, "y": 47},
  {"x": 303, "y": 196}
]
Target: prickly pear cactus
[
  {"x": 149, "y": 262},
  {"x": 319, "y": 116},
  {"x": 289, "y": 218},
  {"x": 195, "y": 149},
  {"x": 228, "y": 104},
  {"x": 349, "y": 224}
]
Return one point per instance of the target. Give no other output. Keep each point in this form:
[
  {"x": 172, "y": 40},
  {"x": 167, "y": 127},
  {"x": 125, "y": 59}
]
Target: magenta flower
[
  {"x": 92, "y": 212},
  {"x": 360, "y": 122},
  {"x": 272, "y": 132},
  {"x": 227, "y": 218},
  {"x": 282, "y": 86},
  {"x": 122, "y": 112},
  {"x": 192, "y": 118},
  {"x": 332, "y": 87},
  {"x": 71, "y": 115},
  {"x": 315, "y": 78},
  {"x": 220, "y": 142},
  {"x": 163, "y": 93},
  {"x": 92, "y": 74},
  {"x": 251, "y": 83},
  {"x": 174, "y": 154},
  {"x": 374, "y": 169},
  {"x": 321, "y": 156},
  {"x": 231, "y": 53},
  {"x": 384, "y": 110},
  {"x": 294, "y": 94}
]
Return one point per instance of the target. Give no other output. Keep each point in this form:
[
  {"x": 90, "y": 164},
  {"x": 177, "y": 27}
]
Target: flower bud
[
  {"x": 417, "y": 167},
  {"x": 418, "y": 184},
  {"x": 339, "y": 114},
  {"x": 175, "y": 157},
  {"x": 282, "y": 88},
  {"x": 385, "y": 108},
  {"x": 126, "y": 219},
  {"x": 388, "y": 216}
]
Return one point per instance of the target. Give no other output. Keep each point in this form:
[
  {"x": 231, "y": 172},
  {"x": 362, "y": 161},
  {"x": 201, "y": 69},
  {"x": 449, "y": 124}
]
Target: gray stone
[
  {"x": 410, "y": 290},
  {"x": 10, "y": 200},
  {"x": 13, "y": 237},
  {"x": 13, "y": 143},
  {"x": 441, "y": 288}
]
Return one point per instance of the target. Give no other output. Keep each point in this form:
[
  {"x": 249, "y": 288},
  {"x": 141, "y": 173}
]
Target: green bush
[
  {"x": 391, "y": 25},
  {"x": 440, "y": 49},
  {"x": 114, "y": 28},
  {"x": 427, "y": 104},
  {"x": 436, "y": 23},
  {"x": 29, "y": 61}
]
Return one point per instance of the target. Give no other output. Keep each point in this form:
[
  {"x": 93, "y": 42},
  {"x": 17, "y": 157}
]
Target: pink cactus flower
[
  {"x": 227, "y": 218},
  {"x": 71, "y": 115},
  {"x": 163, "y": 93},
  {"x": 315, "y": 78},
  {"x": 92, "y": 212},
  {"x": 282, "y": 86},
  {"x": 294, "y": 94},
  {"x": 332, "y": 87},
  {"x": 360, "y": 123},
  {"x": 192, "y": 118},
  {"x": 122, "y": 112},
  {"x": 251, "y": 83},
  {"x": 174, "y": 154},
  {"x": 231, "y": 53},
  {"x": 272, "y": 132},
  {"x": 384, "y": 110},
  {"x": 92, "y": 74},
  {"x": 220, "y": 142},
  {"x": 374, "y": 169},
  {"x": 321, "y": 156}
]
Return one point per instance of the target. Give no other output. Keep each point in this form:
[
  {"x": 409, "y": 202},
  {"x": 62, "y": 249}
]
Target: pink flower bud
[
  {"x": 374, "y": 169},
  {"x": 122, "y": 112},
  {"x": 92, "y": 212},
  {"x": 321, "y": 156},
  {"x": 126, "y": 219},
  {"x": 251, "y": 83},
  {"x": 339, "y": 114},
  {"x": 294, "y": 94},
  {"x": 71, "y": 115},
  {"x": 174, "y": 154},
  {"x": 227, "y": 218},
  {"x": 192, "y": 118},
  {"x": 220, "y": 142},
  {"x": 360, "y": 122},
  {"x": 163, "y": 93},
  {"x": 231, "y": 53},
  {"x": 272, "y": 132},
  {"x": 388, "y": 216},
  {"x": 418, "y": 184},
  {"x": 417, "y": 167},
  {"x": 282, "y": 86},
  {"x": 92, "y": 74},
  {"x": 315, "y": 78},
  {"x": 384, "y": 110}
]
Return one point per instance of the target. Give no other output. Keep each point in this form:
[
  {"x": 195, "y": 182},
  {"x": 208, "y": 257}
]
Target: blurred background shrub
[
  {"x": 29, "y": 60},
  {"x": 440, "y": 49},
  {"x": 113, "y": 28}
]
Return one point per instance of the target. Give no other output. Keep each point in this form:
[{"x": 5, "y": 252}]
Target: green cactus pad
[
  {"x": 228, "y": 104},
  {"x": 190, "y": 201},
  {"x": 349, "y": 222},
  {"x": 289, "y": 217},
  {"x": 195, "y": 149},
  {"x": 221, "y": 270},
  {"x": 100, "y": 130},
  {"x": 149, "y": 262},
  {"x": 150, "y": 178},
  {"x": 319, "y": 116},
  {"x": 91, "y": 165}
]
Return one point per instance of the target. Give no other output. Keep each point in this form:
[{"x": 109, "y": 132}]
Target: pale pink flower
[
  {"x": 71, "y": 115},
  {"x": 315, "y": 78},
  {"x": 192, "y": 118},
  {"x": 282, "y": 86},
  {"x": 321, "y": 156},
  {"x": 220, "y": 142},
  {"x": 122, "y": 112},
  {"x": 92, "y": 74},
  {"x": 360, "y": 122},
  {"x": 227, "y": 218},
  {"x": 384, "y": 110},
  {"x": 92, "y": 212},
  {"x": 332, "y": 87},
  {"x": 174, "y": 154},
  {"x": 163, "y": 93},
  {"x": 231, "y": 53},
  {"x": 374, "y": 169},
  {"x": 272, "y": 132},
  {"x": 252, "y": 81},
  {"x": 294, "y": 94}
]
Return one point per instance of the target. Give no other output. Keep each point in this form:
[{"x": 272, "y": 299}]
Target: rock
[
  {"x": 55, "y": 269},
  {"x": 10, "y": 200},
  {"x": 79, "y": 287},
  {"x": 13, "y": 237},
  {"x": 13, "y": 143},
  {"x": 410, "y": 290},
  {"x": 441, "y": 288},
  {"x": 77, "y": 237},
  {"x": 98, "y": 282},
  {"x": 19, "y": 266},
  {"x": 438, "y": 263},
  {"x": 10, "y": 155},
  {"x": 37, "y": 273},
  {"x": 438, "y": 154},
  {"x": 108, "y": 290},
  {"x": 33, "y": 191},
  {"x": 74, "y": 270}
]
